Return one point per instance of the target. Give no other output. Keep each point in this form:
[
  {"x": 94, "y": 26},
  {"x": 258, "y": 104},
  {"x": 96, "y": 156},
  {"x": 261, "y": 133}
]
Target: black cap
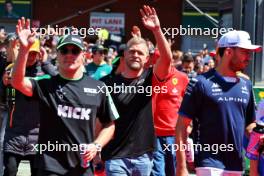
[
  {"x": 70, "y": 39},
  {"x": 99, "y": 48}
]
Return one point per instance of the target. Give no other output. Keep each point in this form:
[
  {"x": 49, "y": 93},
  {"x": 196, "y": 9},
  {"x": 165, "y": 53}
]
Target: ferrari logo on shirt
[{"x": 174, "y": 81}]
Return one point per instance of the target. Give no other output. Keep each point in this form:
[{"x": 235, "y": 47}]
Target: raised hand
[
  {"x": 150, "y": 18},
  {"x": 26, "y": 37},
  {"x": 135, "y": 32}
]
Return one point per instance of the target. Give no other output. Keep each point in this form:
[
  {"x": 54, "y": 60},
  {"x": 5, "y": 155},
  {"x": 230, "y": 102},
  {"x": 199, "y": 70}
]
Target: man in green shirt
[{"x": 98, "y": 68}]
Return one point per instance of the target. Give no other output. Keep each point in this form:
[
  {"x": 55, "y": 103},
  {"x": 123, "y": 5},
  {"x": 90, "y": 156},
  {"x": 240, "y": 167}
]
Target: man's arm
[
  {"x": 19, "y": 81},
  {"x": 104, "y": 136},
  {"x": 181, "y": 137},
  {"x": 151, "y": 22},
  {"x": 26, "y": 38}
]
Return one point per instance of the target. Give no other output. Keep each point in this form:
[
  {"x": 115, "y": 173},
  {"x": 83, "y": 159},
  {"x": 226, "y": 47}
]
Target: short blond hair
[{"x": 137, "y": 41}]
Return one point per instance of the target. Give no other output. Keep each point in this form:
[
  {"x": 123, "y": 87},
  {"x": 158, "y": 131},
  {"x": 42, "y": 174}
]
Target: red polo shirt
[{"x": 166, "y": 103}]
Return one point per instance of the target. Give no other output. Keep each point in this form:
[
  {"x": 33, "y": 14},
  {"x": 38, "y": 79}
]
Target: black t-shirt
[
  {"x": 68, "y": 112},
  {"x": 134, "y": 131}
]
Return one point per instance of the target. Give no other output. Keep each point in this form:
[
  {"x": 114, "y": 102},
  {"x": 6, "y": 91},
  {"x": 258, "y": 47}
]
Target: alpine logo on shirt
[
  {"x": 233, "y": 99},
  {"x": 73, "y": 112}
]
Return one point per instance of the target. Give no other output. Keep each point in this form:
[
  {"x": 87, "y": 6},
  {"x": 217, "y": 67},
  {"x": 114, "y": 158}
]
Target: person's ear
[{"x": 147, "y": 59}]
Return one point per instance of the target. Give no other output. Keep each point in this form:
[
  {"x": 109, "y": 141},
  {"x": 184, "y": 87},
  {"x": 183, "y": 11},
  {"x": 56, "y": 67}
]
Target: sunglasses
[{"x": 74, "y": 51}]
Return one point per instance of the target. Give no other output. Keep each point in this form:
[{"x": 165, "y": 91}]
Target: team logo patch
[
  {"x": 89, "y": 90},
  {"x": 174, "y": 90},
  {"x": 60, "y": 92},
  {"x": 174, "y": 81}
]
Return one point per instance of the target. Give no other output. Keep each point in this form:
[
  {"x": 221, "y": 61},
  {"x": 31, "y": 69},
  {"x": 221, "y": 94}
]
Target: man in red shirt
[{"x": 165, "y": 109}]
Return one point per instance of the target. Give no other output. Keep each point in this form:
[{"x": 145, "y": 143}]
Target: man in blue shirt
[{"x": 220, "y": 104}]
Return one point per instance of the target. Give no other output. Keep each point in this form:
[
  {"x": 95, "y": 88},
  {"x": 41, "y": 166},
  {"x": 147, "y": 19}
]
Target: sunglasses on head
[{"x": 74, "y": 51}]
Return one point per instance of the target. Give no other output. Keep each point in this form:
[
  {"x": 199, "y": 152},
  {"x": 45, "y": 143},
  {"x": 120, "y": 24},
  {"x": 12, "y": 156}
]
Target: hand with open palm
[
  {"x": 26, "y": 37},
  {"x": 150, "y": 18}
]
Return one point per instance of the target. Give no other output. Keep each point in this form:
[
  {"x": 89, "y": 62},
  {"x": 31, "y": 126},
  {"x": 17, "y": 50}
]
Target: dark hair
[
  {"x": 197, "y": 66},
  {"x": 221, "y": 51},
  {"x": 187, "y": 58}
]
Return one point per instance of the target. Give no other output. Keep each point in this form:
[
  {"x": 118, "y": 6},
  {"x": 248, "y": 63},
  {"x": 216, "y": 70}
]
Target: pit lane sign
[{"x": 113, "y": 22}]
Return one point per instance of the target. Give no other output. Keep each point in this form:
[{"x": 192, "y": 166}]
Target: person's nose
[{"x": 136, "y": 54}]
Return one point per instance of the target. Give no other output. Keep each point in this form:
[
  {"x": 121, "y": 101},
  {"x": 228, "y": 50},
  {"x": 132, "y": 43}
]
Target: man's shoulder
[
  {"x": 92, "y": 81},
  {"x": 245, "y": 81},
  {"x": 90, "y": 66},
  {"x": 176, "y": 73},
  {"x": 205, "y": 77},
  {"x": 107, "y": 66},
  {"x": 202, "y": 80},
  {"x": 108, "y": 78}
]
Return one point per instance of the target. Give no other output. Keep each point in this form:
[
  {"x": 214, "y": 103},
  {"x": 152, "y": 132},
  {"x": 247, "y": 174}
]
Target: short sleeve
[
  {"x": 107, "y": 111},
  {"x": 38, "y": 87},
  {"x": 192, "y": 99}
]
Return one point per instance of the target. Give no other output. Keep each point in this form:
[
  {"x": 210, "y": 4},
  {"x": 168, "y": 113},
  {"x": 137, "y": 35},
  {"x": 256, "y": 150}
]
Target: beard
[
  {"x": 238, "y": 66},
  {"x": 134, "y": 65}
]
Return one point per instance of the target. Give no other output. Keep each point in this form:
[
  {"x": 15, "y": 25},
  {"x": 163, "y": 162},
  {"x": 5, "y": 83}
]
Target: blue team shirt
[
  {"x": 98, "y": 71},
  {"x": 220, "y": 110}
]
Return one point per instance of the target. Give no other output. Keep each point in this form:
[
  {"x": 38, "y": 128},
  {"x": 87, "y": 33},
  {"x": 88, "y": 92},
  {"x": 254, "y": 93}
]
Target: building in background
[
  {"x": 119, "y": 16},
  {"x": 20, "y": 8},
  {"x": 77, "y": 13}
]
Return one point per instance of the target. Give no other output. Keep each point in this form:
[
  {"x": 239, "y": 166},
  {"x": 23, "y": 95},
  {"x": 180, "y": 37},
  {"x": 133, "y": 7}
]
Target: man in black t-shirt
[
  {"x": 69, "y": 105},
  {"x": 130, "y": 151}
]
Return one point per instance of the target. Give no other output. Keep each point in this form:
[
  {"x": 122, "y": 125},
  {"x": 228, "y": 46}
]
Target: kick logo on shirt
[{"x": 74, "y": 112}]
